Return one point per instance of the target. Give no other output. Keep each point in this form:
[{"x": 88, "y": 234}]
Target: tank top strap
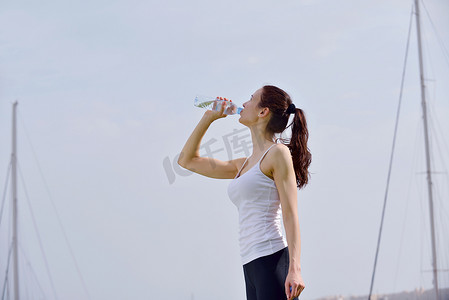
[
  {"x": 238, "y": 174},
  {"x": 241, "y": 167},
  {"x": 265, "y": 153}
]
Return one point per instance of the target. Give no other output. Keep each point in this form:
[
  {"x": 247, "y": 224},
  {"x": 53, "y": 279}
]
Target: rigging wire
[
  {"x": 443, "y": 216},
  {"x": 443, "y": 164},
  {"x": 439, "y": 130},
  {"x": 392, "y": 152},
  {"x": 441, "y": 235},
  {"x": 37, "y": 233},
  {"x": 407, "y": 202},
  {"x": 4, "y": 191},
  {"x": 8, "y": 172},
  {"x": 422, "y": 207},
  {"x": 55, "y": 210},
  {"x": 439, "y": 204},
  {"x": 440, "y": 41},
  {"x": 429, "y": 160},
  {"x": 7, "y": 271},
  {"x": 31, "y": 269}
]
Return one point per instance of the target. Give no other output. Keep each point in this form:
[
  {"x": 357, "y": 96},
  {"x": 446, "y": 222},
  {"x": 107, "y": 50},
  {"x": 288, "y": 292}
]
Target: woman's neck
[{"x": 260, "y": 139}]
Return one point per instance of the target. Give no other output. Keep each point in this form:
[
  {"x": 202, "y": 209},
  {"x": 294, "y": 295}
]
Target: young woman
[{"x": 262, "y": 186}]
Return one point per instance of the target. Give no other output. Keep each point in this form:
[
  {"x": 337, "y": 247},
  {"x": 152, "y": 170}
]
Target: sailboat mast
[
  {"x": 14, "y": 202},
  {"x": 426, "y": 139}
]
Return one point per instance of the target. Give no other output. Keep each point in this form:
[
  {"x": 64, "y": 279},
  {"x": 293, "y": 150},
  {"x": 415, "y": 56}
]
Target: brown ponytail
[{"x": 278, "y": 101}]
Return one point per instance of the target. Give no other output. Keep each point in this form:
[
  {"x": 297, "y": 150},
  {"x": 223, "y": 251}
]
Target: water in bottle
[{"x": 216, "y": 104}]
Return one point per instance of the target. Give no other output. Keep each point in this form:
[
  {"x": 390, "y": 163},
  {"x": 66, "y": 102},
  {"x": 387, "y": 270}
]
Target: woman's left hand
[{"x": 294, "y": 285}]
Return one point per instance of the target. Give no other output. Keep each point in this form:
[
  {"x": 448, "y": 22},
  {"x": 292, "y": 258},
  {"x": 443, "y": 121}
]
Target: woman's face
[{"x": 250, "y": 113}]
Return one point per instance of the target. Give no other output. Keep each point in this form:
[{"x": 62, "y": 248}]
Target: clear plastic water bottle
[{"x": 216, "y": 103}]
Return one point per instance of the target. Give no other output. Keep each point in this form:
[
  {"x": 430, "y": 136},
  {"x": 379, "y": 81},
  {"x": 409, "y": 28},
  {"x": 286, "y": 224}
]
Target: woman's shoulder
[
  {"x": 280, "y": 150},
  {"x": 280, "y": 155},
  {"x": 276, "y": 159}
]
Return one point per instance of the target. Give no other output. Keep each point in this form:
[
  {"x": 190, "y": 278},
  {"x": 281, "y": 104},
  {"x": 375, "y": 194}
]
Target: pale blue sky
[{"x": 106, "y": 90}]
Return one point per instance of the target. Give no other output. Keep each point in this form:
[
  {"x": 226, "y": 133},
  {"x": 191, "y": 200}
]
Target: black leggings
[{"x": 265, "y": 276}]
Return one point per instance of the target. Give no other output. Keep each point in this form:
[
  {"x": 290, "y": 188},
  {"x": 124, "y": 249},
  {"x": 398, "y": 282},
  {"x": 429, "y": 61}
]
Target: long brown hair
[{"x": 278, "y": 101}]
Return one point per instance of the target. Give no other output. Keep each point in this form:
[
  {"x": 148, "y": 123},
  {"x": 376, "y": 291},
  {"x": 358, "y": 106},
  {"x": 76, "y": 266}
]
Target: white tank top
[{"x": 259, "y": 207}]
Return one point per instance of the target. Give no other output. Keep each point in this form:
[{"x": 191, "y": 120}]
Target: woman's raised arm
[{"x": 190, "y": 158}]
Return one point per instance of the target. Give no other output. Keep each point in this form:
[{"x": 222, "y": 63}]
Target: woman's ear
[{"x": 265, "y": 111}]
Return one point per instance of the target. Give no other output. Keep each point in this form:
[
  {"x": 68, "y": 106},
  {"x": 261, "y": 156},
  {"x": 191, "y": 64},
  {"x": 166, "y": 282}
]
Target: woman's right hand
[{"x": 213, "y": 114}]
